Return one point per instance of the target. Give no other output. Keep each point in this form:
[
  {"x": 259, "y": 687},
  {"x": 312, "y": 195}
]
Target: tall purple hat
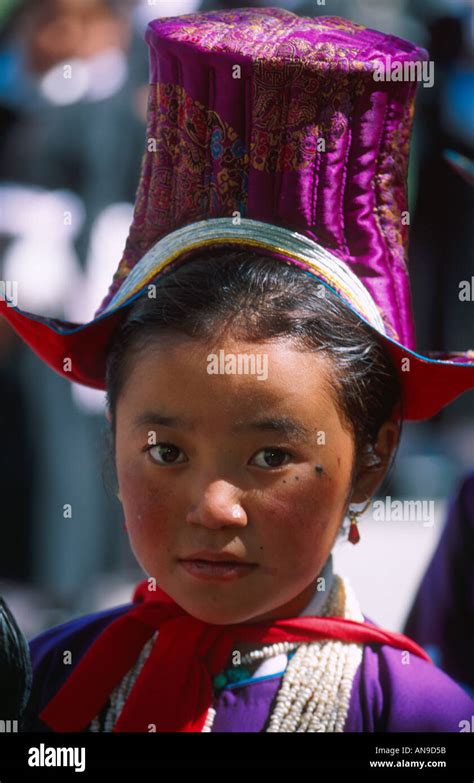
[{"x": 284, "y": 134}]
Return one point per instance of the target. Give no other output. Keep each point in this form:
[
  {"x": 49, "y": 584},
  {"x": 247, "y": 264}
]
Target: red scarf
[{"x": 186, "y": 655}]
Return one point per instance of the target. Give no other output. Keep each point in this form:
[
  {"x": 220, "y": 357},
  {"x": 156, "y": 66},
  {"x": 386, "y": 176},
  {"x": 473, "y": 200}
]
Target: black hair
[{"x": 257, "y": 298}]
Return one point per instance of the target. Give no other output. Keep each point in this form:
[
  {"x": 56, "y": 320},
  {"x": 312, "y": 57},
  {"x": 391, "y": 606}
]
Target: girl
[
  {"x": 235, "y": 483},
  {"x": 218, "y": 468}
]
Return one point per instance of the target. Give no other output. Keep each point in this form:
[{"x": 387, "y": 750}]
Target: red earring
[{"x": 354, "y": 535}]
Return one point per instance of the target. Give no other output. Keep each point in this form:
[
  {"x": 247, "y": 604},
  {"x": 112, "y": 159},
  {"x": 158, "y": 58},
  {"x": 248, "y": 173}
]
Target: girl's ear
[
  {"x": 371, "y": 476},
  {"x": 108, "y": 415}
]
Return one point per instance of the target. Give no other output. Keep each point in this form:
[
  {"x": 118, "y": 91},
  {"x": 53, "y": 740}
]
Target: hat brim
[{"x": 429, "y": 382}]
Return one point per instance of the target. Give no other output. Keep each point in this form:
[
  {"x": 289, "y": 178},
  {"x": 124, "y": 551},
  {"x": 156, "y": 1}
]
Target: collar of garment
[{"x": 278, "y": 663}]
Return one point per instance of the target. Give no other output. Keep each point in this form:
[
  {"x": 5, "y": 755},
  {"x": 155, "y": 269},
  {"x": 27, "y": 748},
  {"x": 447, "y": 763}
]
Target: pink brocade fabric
[{"x": 216, "y": 144}]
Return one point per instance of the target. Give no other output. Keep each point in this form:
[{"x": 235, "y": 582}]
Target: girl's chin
[{"x": 213, "y": 613}]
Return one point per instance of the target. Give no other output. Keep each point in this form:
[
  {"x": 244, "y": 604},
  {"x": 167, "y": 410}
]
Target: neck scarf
[{"x": 186, "y": 655}]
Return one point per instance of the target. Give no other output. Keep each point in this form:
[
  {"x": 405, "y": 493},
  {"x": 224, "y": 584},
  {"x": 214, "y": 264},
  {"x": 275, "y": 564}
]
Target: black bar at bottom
[{"x": 45, "y": 756}]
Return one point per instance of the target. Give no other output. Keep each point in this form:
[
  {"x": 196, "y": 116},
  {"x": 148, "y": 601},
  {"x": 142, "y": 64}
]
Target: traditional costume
[
  {"x": 276, "y": 133},
  {"x": 372, "y": 681}
]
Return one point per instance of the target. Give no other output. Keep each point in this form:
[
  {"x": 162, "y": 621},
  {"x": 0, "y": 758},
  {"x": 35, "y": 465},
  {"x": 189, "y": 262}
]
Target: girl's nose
[{"x": 217, "y": 506}]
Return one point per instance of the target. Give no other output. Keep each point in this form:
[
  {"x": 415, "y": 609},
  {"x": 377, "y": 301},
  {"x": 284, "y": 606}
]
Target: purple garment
[
  {"x": 387, "y": 694},
  {"x": 442, "y": 615}
]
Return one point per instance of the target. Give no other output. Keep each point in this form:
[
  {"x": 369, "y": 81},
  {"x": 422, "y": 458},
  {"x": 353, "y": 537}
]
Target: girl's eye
[
  {"x": 272, "y": 457},
  {"x": 165, "y": 454}
]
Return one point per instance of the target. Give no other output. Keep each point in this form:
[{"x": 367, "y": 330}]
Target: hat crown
[
  {"x": 277, "y": 33},
  {"x": 266, "y": 115}
]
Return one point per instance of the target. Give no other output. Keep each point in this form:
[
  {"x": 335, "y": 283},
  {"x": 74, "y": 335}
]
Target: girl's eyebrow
[
  {"x": 154, "y": 417},
  {"x": 285, "y": 425}
]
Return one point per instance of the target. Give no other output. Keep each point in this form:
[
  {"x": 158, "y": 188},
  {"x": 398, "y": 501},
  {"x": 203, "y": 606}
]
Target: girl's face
[{"x": 252, "y": 465}]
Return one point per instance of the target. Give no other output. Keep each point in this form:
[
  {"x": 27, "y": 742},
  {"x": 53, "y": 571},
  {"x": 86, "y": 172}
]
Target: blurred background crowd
[{"x": 73, "y": 147}]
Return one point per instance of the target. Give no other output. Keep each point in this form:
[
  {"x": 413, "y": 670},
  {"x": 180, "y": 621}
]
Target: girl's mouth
[{"x": 221, "y": 570}]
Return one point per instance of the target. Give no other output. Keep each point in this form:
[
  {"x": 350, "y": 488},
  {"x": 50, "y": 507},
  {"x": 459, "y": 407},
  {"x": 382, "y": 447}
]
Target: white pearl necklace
[
  {"x": 316, "y": 688},
  {"x": 315, "y": 691},
  {"x": 268, "y": 652}
]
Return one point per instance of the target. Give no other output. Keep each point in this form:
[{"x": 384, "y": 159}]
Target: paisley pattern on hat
[
  {"x": 285, "y": 134},
  {"x": 389, "y": 181},
  {"x": 182, "y": 130},
  {"x": 259, "y": 36}
]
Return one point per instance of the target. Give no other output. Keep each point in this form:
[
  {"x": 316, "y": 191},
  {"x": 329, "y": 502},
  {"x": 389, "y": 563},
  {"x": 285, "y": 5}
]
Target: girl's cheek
[
  {"x": 310, "y": 493},
  {"x": 304, "y": 505},
  {"x": 147, "y": 506},
  {"x": 284, "y": 518}
]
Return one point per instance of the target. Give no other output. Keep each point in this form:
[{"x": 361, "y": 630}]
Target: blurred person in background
[
  {"x": 16, "y": 466},
  {"x": 85, "y": 130},
  {"x": 16, "y": 674},
  {"x": 79, "y": 139}
]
